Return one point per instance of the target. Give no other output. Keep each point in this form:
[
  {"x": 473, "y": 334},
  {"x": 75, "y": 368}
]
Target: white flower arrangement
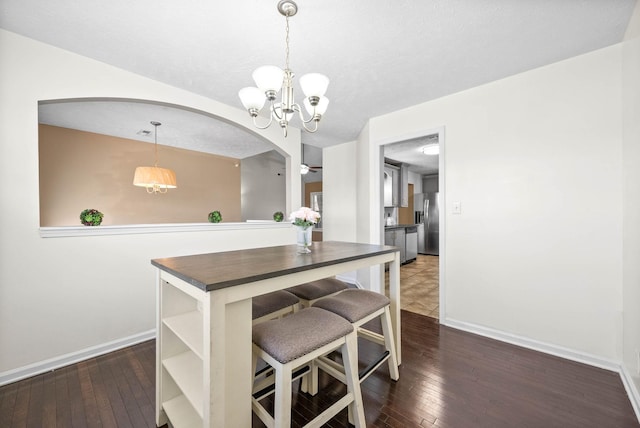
[{"x": 304, "y": 217}]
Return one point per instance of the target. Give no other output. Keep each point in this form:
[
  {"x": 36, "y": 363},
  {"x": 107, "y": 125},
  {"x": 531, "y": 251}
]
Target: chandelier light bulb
[
  {"x": 252, "y": 98},
  {"x": 268, "y": 78},
  {"x": 320, "y": 108},
  {"x": 314, "y": 84}
]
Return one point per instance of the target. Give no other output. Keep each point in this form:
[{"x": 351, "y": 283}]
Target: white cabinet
[
  {"x": 391, "y": 186},
  {"x": 404, "y": 185},
  {"x": 180, "y": 357}
]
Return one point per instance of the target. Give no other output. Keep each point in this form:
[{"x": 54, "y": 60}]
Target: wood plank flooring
[{"x": 448, "y": 378}]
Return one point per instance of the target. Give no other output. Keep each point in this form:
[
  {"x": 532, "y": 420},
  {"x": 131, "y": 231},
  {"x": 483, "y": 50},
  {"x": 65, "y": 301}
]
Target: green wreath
[
  {"x": 215, "y": 217},
  {"x": 91, "y": 217}
]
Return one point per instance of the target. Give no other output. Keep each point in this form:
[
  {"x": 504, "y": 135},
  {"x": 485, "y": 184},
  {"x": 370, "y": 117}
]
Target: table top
[{"x": 214, "y": 271}]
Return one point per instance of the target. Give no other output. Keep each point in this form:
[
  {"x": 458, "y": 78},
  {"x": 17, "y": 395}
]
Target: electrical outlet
[{"x": 457, "y": 207}]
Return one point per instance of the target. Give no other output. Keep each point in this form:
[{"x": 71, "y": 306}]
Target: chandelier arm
[
  {"x": 255, "y": 123},
  {"x": 274, "y": 111},
  {"x": 311, "y": 131},
  {"x": 297, "y": 108}
]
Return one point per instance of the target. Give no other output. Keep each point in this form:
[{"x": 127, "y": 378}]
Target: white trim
[
  {"x": 547, "y": 348},
  {"x": 30, "y": 370},
  {"x": 442, "y": 235},
  {"x": 632, "y": 390},
  {"x": 132, "y": 229}
]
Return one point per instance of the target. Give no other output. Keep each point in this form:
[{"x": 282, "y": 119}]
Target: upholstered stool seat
[
  {"x": 309, "y": 292},
  {"x": 273, "y": 305},
  {"x": 294, "y": 341},
  {"x": 359, "y": 307}
]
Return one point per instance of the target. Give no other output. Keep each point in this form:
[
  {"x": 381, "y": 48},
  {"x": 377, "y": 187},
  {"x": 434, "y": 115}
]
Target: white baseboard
[
  {"x": 558, "y": 351},
  {"x": 24, "y": 372},
  {"x": 632, "y": 390}
]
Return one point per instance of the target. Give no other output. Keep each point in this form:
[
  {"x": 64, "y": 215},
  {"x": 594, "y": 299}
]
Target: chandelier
[
  {"x": 270, "y": 80},
  {"x": 154, "y": 178}
]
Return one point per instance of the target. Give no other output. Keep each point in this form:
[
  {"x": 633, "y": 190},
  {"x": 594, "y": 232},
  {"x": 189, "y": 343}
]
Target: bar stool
[
  {"x": 314, "y": 290},
  {"x": 294, "y": 341},
  {"x": 273, "y": 305},
  {"x": 359, "y": 307}
]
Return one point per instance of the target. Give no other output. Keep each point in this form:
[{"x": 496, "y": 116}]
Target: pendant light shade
[
  {"x": 154, "y": 178},
  {"x": 151, "y": 176}
]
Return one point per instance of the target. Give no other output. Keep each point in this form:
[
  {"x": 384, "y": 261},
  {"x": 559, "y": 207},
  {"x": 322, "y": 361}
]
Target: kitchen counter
[{"x": 399, "y": 226}]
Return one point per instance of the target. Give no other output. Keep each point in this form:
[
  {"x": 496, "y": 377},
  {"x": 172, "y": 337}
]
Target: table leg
[
  {"x": 394, "y": 296},
  {"x": 230, "y": 364}
]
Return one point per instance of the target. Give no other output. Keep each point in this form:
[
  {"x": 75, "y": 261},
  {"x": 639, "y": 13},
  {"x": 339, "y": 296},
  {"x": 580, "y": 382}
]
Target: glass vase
[{"x": 304, "y": 239}]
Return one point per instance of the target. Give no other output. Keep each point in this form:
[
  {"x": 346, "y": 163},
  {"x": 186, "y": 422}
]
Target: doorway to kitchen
[{"x": 419, "y": 159}]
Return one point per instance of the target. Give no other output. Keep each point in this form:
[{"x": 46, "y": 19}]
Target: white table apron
[{"x": 223, "y": 385}]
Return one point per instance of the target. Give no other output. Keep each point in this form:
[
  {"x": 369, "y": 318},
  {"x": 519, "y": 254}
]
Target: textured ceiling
[
  {"x": 380, "y": 55},
  {"x": 410, "y": 152}
]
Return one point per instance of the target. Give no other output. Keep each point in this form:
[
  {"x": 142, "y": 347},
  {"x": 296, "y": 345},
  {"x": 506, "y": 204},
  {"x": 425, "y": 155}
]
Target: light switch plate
[{"x": 457, "y": 207}]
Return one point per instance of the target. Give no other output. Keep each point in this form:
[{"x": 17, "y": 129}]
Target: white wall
[
  {"x": 416, "y": 180},
  {"x": 339, "y": 194},
  {"x": 64, "y": 297},
  {"x": 535, "y": 160},
  {"x": 263, "y": 186},
  {"x": 631, "y": 207}
]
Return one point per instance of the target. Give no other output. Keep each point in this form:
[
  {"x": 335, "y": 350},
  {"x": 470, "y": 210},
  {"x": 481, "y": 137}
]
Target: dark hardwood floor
[{"x": 448, "y": 378}]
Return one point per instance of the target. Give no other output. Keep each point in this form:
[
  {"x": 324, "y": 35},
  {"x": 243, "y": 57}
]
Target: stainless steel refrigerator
[{"x": 428, "y": 219}]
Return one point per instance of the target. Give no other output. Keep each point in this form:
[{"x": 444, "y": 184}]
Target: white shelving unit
[{"x": 180, "y": 356}]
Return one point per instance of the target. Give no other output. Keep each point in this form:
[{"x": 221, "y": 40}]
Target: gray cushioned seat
[
  {"x": 298, "y": 334},
  {"x": 317, "y": 289},
  {"x": 353, "y": 304},
  {"x": 271, "y": 302}
]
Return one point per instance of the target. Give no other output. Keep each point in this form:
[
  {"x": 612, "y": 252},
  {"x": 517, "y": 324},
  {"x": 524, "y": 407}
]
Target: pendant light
[{"x": 153, "y": 178}]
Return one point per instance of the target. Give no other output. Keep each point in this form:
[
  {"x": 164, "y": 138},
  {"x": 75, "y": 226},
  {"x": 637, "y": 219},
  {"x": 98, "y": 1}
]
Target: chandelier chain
[{"x": 286, "y": 41}]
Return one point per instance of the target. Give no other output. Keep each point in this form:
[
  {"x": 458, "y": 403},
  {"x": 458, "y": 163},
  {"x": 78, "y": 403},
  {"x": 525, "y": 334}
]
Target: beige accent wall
[{"x": 80, "y": 170}]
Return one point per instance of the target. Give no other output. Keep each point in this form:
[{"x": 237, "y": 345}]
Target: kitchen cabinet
[
  {"x": 396, "y": 238},
  {"x": 405, "y": 237},
  {"x": 404, "y": 185},
  {"x": 391, "y": 186}
]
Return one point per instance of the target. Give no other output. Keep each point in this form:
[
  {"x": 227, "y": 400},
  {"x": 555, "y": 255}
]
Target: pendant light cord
[{"x": 155, "y": 137}]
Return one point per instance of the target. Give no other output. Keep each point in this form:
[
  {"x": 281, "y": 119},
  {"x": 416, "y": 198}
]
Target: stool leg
[
  {"x": 282, "y": 402},
  {"x": 350, "y": 360},
  {"x": 313, "y": 378},
  {"x": 390, "y": 343}
]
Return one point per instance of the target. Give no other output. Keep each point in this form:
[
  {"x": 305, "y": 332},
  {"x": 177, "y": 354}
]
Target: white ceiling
[{"x": 380, "y": 55}]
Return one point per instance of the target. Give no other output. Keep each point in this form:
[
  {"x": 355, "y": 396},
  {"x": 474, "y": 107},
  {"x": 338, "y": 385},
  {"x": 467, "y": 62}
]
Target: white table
[{"x": 203, "y": 357}]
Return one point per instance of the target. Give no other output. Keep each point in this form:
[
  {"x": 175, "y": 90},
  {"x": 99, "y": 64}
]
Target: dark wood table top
[{"x": 214, "y": 271}]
